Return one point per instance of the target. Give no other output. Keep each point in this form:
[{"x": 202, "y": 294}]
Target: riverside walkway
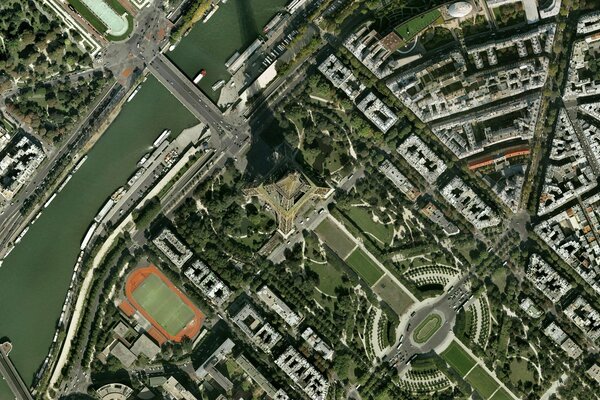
[{"x": 10, "y": 374}]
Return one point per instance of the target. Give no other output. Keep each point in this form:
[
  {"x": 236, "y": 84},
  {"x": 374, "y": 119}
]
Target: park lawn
[
  {"x": 458, "y": 359},
  {"x": 362, "y": 217},
  {"x": 501, "y": 395},
  {"x": 519, "y": 371},
  {"x": 329, "y": 277},
  {"x": 394, "y": 296},
  {"x": 364, "y": 266},
  {"x": 333, "y": 237},
  {"x": 163, "y": 304},
  {"x": 427, "y": 328},
  {"x": 411, "y": 28},
  {"x": 482, "y": 382},
  {"x": 333, "y": 161},
  {"x": 499, "y": 278}
]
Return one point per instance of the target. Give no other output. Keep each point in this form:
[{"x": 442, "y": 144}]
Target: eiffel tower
[{"x": 287, "y": 197}]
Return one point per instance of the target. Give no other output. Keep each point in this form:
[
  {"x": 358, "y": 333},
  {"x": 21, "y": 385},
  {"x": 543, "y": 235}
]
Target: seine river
[
  {"x": 233, "y": 27},
  {"x": 35, "y": 277}
]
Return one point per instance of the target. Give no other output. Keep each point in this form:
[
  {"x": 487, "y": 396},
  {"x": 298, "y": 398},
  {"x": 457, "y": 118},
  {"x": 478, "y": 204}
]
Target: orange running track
[{"x": 136, "y": 278}]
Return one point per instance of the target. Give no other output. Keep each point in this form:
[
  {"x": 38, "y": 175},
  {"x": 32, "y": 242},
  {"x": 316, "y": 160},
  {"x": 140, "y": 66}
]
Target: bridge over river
[
  {"x": 10, "y": 374},
  {"x": 187, "y": 92}
]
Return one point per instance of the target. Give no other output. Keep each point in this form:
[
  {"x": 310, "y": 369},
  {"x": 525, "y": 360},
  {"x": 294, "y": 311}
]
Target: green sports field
[
  {"x": 458, "y": 359},
  {"x": 364, "y": 266},
  {"x": 163, "y": 304},
  {"x": 482, "y": 382}
]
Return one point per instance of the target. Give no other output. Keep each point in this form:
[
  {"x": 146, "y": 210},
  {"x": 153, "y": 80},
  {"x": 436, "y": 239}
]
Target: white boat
[
  {"x": 62, "y": 185},
  {"x": 135, "y": 177},
  {"x": 143, "y": 159},
  {"x": 116, "y": 196},
  {"x": 210, "y": 14},
  {"x": 80, "y": 163},
  {"x": 88, "y": 236},
  {"x": 104, "y": 210},
  {"x": 199, "y": 77},
  {"x": 161, "y": 138},
  {"x": 218, "y": 85},
  {"x": 132, "y": 95},
  {"x": 49, "y": 200},
  {"x": 10, "y": 249}
]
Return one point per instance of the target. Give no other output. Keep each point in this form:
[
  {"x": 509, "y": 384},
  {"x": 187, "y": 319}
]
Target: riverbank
[
  {"x": 35, "y": 277},
  {"x": 81, "y": 300}
]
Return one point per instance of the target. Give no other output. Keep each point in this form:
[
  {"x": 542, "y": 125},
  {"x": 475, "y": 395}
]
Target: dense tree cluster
[
  {"x": 33, "y": 47},
  {"x": 52, "y": 108}
]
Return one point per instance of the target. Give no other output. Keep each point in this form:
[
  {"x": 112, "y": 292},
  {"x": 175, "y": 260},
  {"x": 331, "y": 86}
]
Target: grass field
[
  {"x": 458, "y": 358},
  {"x": 163, "y": 304},
  {"x": 482, "y": 382},
  {"x": 361, "y": 216},
  {"x": 329, "y": 277},
  {"x": 499, "y": 278},
  {"x": 501, "y": 395},
  {"x": 519, "y": 371},
  {"x": 364, "y": 266},
  {"x": 411, "y": 28},
  {"x": 395, "y": 297},
  {"x": 427, "y": 328},
  {"x": 337, "y": 240}
]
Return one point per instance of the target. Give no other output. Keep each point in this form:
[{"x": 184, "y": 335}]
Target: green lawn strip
[
  {"x": 482, "y": 382},
  {"x": 164, "y": 305},
  {"x": 337, "y": 240},
  {"x": 411, "y": 28},
  {"x": 118, "y": 7},
  {"x": 501, "y": 395},
  {"x": 363, "y": 219},
  {"x": 364, "y": 266},
  {"x": 427, "y": 328},
  {"x": 89, "y": 16},
  {"x": 396, "y": 298},
  {"x": 458, "y": 358}
]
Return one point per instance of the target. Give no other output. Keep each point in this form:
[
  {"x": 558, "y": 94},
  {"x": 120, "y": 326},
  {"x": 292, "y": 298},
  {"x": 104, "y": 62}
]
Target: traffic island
[{"x": 427, "y": 328}]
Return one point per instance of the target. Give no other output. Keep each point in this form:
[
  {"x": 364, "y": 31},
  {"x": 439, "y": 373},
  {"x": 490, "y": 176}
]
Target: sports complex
[{"x": 151, "y": 295}]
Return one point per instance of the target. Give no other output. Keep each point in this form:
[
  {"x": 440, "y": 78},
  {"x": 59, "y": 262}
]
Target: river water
[
  {"x": 234, "y": 26},
  {"x": 35, "y": 277}
]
